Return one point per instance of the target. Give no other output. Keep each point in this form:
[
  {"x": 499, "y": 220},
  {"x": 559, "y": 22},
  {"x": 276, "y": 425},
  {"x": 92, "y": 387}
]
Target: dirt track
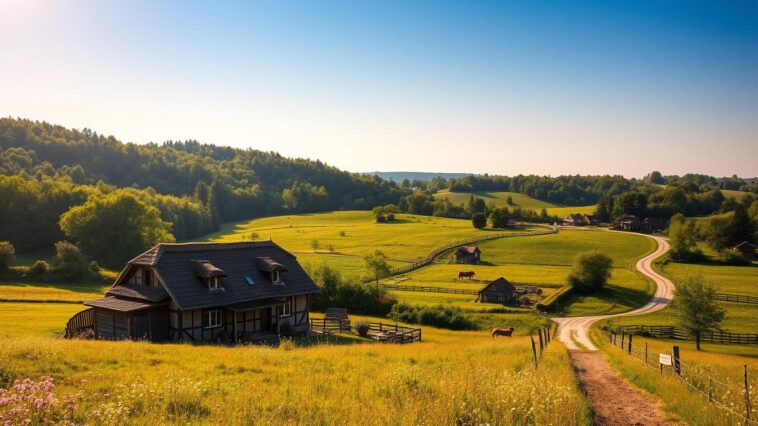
[{"x": 613, "y": 400}]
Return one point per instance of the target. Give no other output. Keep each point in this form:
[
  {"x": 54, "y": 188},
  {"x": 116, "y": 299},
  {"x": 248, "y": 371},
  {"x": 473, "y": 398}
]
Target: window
[
  {"x": 212, "y": 319},
  {"x": 275, "y": 277},
  {"x": 286, "y": 309},
  {"x": 214, "y": 283},
  {"x": 249, "y": 280}
]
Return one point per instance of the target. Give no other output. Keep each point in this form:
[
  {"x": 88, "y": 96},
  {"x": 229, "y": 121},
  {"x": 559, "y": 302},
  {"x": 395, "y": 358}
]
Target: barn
[
  {"x": 203, "y": 292},
  {"x": 467, "y": 254},
  {"x": 498, "y": 291}
]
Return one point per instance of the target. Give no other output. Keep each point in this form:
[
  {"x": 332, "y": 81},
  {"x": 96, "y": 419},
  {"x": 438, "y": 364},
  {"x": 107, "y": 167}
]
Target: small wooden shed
[
  {"x": 498, "y": 291},
  {"x": 467, "y": 254}
]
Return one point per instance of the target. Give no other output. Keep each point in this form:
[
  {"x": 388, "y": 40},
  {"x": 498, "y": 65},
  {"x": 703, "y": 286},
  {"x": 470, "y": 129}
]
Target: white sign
[{"x": 664, "y": 359}]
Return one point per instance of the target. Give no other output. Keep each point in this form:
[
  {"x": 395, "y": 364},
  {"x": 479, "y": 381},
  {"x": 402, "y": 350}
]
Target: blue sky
[{"x": 499, "y": 87}]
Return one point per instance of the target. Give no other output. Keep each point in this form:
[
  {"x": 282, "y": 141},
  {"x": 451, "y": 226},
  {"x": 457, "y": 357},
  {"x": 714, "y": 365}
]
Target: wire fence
[{"x": 730, "y": 395}]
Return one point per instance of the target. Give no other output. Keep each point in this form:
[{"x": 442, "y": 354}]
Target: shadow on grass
[{"x": 609, "y": 299}]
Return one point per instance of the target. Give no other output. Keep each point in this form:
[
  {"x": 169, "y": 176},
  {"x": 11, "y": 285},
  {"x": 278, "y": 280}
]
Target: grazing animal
[
  {"x": 467, "y": 274},
  {"x": 502, "y": 332}
]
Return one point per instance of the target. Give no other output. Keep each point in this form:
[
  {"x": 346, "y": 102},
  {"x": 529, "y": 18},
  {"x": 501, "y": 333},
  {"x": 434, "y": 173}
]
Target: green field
[
  {"x": 735, "y": 194},
  {"x": 519, "y": 200},
  {"x": 353, "y": 234}
]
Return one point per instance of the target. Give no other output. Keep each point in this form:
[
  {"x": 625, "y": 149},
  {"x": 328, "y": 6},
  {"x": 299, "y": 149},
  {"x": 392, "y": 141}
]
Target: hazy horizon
[{"x": 547, "y": 89}]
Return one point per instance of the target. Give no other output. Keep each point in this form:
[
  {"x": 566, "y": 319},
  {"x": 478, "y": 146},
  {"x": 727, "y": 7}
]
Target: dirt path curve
[{"x": 614, "y": 400}]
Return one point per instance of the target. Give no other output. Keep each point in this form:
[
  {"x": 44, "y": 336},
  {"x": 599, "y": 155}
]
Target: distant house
[
  {"x": 590, "y": 220},
  {"x": 498, "y": 291},
  {"x": 203, "y": 292},
  {"x": 629, "y": 222},
  {"x": 573, "y": 220},
  {"x": 747, "y": 249},
  {"x": 653, "y": 224},
  {"x": 467, "y": 254}
]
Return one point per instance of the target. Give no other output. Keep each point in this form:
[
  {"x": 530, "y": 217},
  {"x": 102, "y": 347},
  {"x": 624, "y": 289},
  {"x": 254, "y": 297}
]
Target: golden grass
[
  {"x": 450, "y": 378},
  {"x": 500, "y": 198}
]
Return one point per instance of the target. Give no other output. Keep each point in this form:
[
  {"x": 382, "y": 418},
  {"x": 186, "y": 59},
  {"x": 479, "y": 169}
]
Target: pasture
[
  {"x": 141, "y": 383},
  {"x": 500, "y": 198},
  {"x": 345, "y": 237}
]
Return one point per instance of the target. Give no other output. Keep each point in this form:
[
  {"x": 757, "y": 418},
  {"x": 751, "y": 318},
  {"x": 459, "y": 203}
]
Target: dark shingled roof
[
  {"x": 173, "y": 263},
  {"x": 500, "y": 285},
  {"x": 205, "y": 269},
  {"x": 121, "y": 305},
  {"x": 138, "y": 292}
]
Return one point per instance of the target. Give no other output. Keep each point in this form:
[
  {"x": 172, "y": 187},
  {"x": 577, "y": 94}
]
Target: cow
[
  {"x": 502, "y": 332},
  {"x": 467, "y": 274}
]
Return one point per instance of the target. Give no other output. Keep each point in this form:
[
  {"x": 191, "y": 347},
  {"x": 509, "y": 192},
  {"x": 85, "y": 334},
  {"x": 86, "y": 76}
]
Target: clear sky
[{"x": 502, "y": 87}]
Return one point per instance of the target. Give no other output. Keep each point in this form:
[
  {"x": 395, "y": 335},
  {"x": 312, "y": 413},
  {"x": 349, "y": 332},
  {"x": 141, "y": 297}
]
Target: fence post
[
  {"x": 622, "y": 340},
  {"x": 677, "y": 366},
  {"x": 534, "y": 350},
  {"x": 747, "y": 397},
  {"x": 629, "y": 349},
  {"x": 610, "y": 337},
  {"x": 539, "y": 331},
  {"x": 645, "y": 352}
]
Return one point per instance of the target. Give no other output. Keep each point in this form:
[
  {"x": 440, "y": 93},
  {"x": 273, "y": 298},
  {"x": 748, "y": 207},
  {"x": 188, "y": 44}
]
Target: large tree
[
  {"x": 696, "y": 307},
  {"x": 113, "y": 228},
  {"x": 591, "y": 271},
  {"x": 683, "y": 238},
  {"x": 376, "y": 262}
]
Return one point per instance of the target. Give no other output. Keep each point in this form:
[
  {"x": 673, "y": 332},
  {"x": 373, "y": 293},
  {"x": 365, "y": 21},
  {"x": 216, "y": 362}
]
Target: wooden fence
[
  {"x": 429, "y": 259},
  {"x": 80, "y": 322},
  {"x": 672, "y": 332},
  {"x": 383, "y": 332},
  {"x": 428, "y": 289},
  {"x": 737, "y": 298}
]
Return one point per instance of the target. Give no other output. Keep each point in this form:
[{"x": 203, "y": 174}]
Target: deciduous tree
[{"x": 696, "y": 307}]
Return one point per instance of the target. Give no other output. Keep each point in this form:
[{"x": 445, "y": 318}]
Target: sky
[{"x": 500, "y": 87}]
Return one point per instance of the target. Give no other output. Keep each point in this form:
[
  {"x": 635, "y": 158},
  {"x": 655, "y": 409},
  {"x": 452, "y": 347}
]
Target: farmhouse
[
  {"x": 498, "y": 291},
  {"x": 573, "y": 220},
  {"x": 747, "y": 249},
  {"x": 590, "y": 220},
  {"x": 629, "y": 222},
  {"x": 467, "y": 254},
  {"x": 203, "y": 292}
]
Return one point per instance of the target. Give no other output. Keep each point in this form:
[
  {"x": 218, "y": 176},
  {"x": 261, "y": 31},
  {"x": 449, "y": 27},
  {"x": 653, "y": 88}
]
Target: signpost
[{"x": 664, "y": 359}]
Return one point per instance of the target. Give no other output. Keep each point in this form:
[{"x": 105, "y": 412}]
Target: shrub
[
  {"x": 7, "y": 254},
  {"x": 591, "y": 271},
  {"x": 390, "y": 217},
  {"x": 69, "y": 263},
  {"x": 39, "y": 267},
  {"x": 441, "y": 316},
  {"x": 358, "y": 298},
  {"x": 362, "y": 328},
  {"x": 343, "y": 233},
  {"x": 734, "y": 257},
  {"x": 479, "y": 220},
  {"x": 287, "y": 344}
]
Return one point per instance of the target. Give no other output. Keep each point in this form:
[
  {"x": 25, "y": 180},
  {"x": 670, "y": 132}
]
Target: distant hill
[{"x": 399, "y": 176}]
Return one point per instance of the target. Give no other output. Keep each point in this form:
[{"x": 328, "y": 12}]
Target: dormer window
[
  {"x": 275, "y": 277},
  {"x": 209, "y": 274},
  {"x": 272, "y": 269}
]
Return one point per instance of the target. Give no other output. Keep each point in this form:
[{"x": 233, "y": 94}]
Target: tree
[
  {"x": 115, "y": 227},
  {"x": 376, "y": 262},
  {"x": 315, "y": 245},
  {"x": 655, "y": 177},
  {"x": 696, "y": 307},
  {"x": 499, "y": 217},
  {"x": 630, "y": 203},
  {"x": 591, "y": 271},
  {"x": 479, "y": 220},
  {"x": 728, "y": 229},
  {"x": 7, "y": 254},
  {"x": 683, "y": 239},
  {"x": 509, "y": 200}
]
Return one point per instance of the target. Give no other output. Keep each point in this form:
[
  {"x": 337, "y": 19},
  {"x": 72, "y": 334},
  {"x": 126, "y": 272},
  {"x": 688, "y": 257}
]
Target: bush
[
  {"x": 356, "y": 297},
  {"x": 7, "y": 255},
  {"x": 479, "y": 220},
  {"x": 734, "y": 257},
  {"x": 441, "y": 316},
  {"x": 390, "y": 217},
  {"x": 39, "y": 267},
  {"x": 591, "y": 271},
  {"x": 362, "y": 328},
  {"x": 69, "y": 263}
]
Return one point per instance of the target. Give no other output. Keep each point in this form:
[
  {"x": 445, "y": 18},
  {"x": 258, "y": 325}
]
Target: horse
[
  {"x": 468, "y": 274},
  {"x": 502, "y": 332}
]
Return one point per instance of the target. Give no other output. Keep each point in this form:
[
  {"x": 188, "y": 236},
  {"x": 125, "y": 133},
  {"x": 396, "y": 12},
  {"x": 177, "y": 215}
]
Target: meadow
[
  {"x": 345, "y": 237},
  {"x": 500, "y": 199},
  {"x": 449, "y": 378}
]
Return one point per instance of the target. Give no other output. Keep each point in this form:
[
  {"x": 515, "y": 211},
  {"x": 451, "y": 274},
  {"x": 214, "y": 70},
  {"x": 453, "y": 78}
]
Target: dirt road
[
  {"x": 579, "y": 327},
  {"x": 615, "y": 401}
]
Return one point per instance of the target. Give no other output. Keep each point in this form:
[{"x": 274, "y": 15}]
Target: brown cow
[
  {"x": 502, "y": 332},
  {"x": 467, "y": 274}
]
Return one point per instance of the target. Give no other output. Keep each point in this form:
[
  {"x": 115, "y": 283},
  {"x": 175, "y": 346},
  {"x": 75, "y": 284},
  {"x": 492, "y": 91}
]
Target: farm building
[
  {"x": 203, "y": 292},
  {"x": 467, "y": 254},
  {"x": 629, "y": 222},
  {"x": 573, "y": 220},
  {"x": 654, "y": 224},
  {"x": 747, "y": 249},
  {"x": 590, "y": 220},
  {"x": 498, "y": 291}
]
